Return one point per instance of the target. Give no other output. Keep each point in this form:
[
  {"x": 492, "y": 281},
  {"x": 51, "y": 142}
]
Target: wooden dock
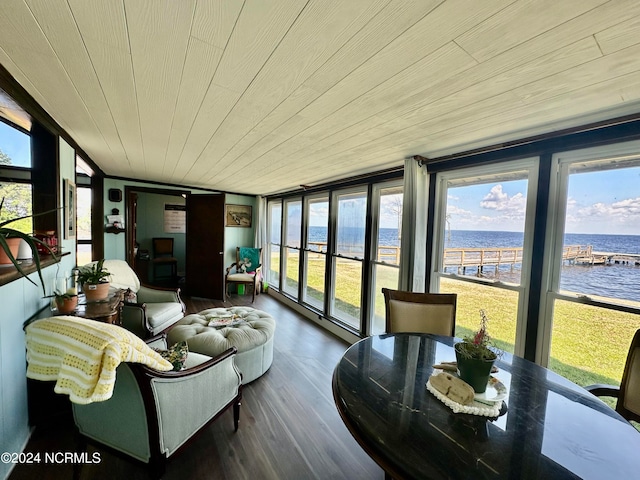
[{"x": 480, "y": 258}]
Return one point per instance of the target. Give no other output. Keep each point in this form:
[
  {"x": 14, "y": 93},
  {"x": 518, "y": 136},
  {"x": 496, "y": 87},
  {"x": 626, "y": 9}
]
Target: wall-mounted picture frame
[
  {"x": 237, "y": 215},
  {"x": 69, "y": 209}
]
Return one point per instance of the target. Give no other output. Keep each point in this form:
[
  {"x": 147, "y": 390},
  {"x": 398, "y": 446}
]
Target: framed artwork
[
  {"x": 69, "y": 209},
  {"x": 237, "y": 215}
]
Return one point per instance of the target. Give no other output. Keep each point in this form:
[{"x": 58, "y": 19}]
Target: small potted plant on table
[
  {"x": 94, "y": 281},
  {"x": 66, "y": 302},
  {"x": 475, "y": 356}
]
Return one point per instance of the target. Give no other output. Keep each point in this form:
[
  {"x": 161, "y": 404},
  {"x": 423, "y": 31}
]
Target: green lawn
[{"x": 589, "y": 345}]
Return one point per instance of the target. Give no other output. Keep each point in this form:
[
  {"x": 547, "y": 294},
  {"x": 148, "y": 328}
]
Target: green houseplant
[
  {"x": 94, "y": 280},
  {"x": 65, "y": 302},
  {"x": 475, "y": 356},
  {"x": 10, "y": 239}
]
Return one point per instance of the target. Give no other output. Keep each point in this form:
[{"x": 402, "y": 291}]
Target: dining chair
[
  {"x": 420, "y": 312},
  {"x": 163, "y": 257},
  {"x": 628, "y": 393}
]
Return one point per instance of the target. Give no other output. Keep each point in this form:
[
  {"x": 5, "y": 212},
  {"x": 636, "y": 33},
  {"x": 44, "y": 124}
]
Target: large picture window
[
  {"x": 593, "y": 304},
  {"x": 483, "y": 249}
]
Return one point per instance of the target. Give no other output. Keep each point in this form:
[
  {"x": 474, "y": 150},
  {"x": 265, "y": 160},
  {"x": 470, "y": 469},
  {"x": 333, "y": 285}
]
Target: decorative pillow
[
  {"x": 175, "y": 354},
  {"x": 249, "y": 259}
]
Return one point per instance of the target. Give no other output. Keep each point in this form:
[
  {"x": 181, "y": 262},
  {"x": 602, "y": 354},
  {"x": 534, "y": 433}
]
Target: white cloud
[{"x": 499, "y": 200}]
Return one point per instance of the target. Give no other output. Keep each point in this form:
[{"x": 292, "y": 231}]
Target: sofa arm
[
  {"x": 134, "y": 319},
  {"x": 209, "y": 388},
  {"x": 148, "y": 294}
]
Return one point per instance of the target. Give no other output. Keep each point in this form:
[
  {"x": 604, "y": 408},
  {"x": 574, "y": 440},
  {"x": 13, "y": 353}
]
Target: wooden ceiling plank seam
[
  {"x": 20, "y": 29},
  {"x": 487, "y": 85},
  {"x": 426, "y": 7},
  {"x": 620, "y": 36},
  {"x": 395, "y": 86},
  {"x": 304, "y": 36},
  {"x": 70, "y": 49},
  {"x": 215, "y": 20},
  {"x": 518, "y": 23},
  {"x": 342, "y": 131},
  {"x": 284, "y": 20},
  {"x": 42, "y": 69},
  {"x": 616, "y": 64},
  {"x": 504, "y": 118},
  {"x": 203, "y": 19},
  {"x": 276, "y": 117},
  {"x": 158, "y": 39},
  {"x": 202, "y": 60}
]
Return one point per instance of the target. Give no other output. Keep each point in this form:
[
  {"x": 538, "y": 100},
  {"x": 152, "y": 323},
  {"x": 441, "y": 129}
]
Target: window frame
[
  {"x": 555, "y": 231},
  {"x": 530, "y": 164}
]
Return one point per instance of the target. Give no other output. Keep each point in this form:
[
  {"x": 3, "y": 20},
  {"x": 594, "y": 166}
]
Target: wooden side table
[{"x": 108, "y": 310}]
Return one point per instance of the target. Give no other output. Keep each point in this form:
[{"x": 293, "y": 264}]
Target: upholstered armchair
[
  {"x": 151, "y": 310},
  {"x": 151, "y": 414},
  {"x": 246, "y": 270}
]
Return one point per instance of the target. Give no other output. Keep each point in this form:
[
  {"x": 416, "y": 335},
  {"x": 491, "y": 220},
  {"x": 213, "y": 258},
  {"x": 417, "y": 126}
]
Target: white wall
[{"x": 20, "y": 300}]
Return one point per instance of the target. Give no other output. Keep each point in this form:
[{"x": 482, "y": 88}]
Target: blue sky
[
  {"x": 598, "y": 202},
  {"x": 16, "y": 145}
]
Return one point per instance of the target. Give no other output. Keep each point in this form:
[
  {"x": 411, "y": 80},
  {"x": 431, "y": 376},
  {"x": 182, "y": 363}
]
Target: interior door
[{"x": 205, "y": 246}]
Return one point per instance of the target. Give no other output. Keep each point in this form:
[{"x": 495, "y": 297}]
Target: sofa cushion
[{"x": 160, "y": 313}]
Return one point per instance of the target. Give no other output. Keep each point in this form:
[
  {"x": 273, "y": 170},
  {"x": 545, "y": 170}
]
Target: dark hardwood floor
[{"x": 289, "y": 426}]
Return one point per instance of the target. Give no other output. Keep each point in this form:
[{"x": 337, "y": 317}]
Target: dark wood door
[{"x": 205, "y": 246}]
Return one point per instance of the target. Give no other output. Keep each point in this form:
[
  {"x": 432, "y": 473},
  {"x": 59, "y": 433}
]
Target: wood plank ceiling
[{"x": 261, "y": 96}]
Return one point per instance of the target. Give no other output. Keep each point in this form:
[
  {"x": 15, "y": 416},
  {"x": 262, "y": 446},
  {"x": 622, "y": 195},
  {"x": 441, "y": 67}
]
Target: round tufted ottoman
[{"x": 253, "y": 338}]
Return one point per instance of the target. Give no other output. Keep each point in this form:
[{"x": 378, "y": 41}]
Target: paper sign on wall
[{"x": 175, "y": 218}]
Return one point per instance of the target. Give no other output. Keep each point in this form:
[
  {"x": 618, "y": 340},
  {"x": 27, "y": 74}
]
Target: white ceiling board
[
  {"x": 518, "y": 23},
  {"x": 619, "y": 36},
  {"x": 383, "y": 28},
  {"x": 200, "y": 66},
  {"x": 198, "y": 92},
  {"x": 319, "y": 31},
  {"x": 68, "y": 46},
  {"x": 159, "y": 35},
  {"x": 214, "y": 21}
]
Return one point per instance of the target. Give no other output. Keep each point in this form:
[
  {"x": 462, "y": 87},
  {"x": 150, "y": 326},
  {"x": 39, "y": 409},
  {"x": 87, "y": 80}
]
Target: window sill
[{"x": 9, "y": 273}]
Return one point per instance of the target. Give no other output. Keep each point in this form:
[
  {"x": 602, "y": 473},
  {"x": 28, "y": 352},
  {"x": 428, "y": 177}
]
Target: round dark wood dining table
[{"x": 548, "y": 427}]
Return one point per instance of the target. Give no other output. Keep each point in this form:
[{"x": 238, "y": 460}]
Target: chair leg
[{"x": 236, "y": 414}]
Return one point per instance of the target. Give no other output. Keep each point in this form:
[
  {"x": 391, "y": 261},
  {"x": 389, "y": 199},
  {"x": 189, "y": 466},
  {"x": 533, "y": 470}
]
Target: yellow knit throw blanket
[{"x": 82, "y": 356}]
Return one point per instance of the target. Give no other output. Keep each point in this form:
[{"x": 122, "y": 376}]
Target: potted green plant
[
  {"x": 94, "y": 280},
  {"x": 475, "y": 356},
  {"x": 10, "y": 239},
  {"x": 65, "y": 302}
]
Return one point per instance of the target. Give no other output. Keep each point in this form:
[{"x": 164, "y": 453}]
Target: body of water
[{"x": 614, "y": 281}]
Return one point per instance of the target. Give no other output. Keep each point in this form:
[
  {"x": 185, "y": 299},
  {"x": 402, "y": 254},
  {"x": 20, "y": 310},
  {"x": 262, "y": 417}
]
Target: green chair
[
  {"x": 152, "y": 414},
  {"x": 246, "y": 270}
]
